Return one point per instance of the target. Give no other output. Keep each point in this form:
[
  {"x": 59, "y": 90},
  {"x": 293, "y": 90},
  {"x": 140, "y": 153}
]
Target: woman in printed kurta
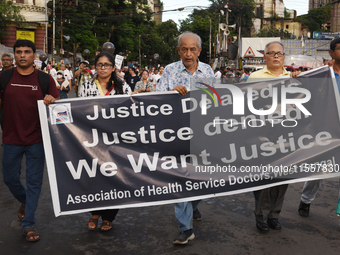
[{"x": 106, "y": 82}]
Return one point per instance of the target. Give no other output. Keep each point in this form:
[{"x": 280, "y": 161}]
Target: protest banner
[{"x": 159, "y": 148}]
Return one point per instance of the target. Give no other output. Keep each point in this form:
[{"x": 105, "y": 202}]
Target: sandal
[
  {"x": 21, "y": 212},
  {"x": 94, "y": 221},
  {"x": 104, "y": 224},
  {"x": 29, "y": 233}
]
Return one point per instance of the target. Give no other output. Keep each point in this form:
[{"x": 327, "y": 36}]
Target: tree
[
  {"x": 240, "y": 10},
  {"x": 90, "y": 24},
  {"x": 9, "y": 14},
  {"x": 316, "y": 18},
  {"x": 272, "y": 31}
]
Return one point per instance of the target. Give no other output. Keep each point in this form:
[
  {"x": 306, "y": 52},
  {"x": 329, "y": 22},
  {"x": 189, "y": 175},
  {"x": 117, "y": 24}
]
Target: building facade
[
  {"x": 34, "y": 28},
  {"x": 317, "y": 3},
  {"x": 266, "y": 9},
  {"x": 335, "y": 16}
]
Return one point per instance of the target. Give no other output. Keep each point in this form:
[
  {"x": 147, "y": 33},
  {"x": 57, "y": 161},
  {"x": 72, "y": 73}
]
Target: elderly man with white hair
[{"x": 176, "y": 76}]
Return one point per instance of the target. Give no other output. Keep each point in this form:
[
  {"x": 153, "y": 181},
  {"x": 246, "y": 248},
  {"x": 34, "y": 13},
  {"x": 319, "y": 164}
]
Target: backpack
[{"x": 6, "y": 75}]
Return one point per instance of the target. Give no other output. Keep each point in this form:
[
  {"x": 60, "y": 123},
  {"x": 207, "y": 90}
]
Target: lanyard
[{"x": 100, "y": 88}]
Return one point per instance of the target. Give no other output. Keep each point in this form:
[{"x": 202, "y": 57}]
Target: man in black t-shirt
[{"x": 131, "y": 78}]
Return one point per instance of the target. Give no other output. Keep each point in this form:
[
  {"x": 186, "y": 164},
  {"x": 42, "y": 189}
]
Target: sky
[{"x": 301, "y": 6}]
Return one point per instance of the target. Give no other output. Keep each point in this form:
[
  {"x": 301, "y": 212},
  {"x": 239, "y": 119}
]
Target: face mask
[{"x": 59, "y": 76}]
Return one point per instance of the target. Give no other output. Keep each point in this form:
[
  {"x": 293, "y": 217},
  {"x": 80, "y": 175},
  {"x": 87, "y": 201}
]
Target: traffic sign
[{"x": 249, "y": 52}]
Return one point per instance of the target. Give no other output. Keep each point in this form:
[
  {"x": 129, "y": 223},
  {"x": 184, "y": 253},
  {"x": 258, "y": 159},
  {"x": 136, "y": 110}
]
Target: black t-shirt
[{"x": 132, "y": 81}]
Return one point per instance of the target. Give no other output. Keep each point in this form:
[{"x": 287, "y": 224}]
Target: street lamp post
[
  {"x": 156, "y": 57},
  {"x": 140, "y": 58},
  {"x": 53, "y": 36}
]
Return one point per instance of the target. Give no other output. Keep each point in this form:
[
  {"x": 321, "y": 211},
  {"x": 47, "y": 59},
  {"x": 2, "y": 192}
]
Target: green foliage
[
  {"x": 240, "y": 9},
  {"x": 242, "y": 12},
  {"x": 121, "y": 22},
  {"x": 9, "y": 14},
  {"x": 272, "y": 31},
  {"x": 286, "y": 14},
  {"x": 316, "y": 18}
]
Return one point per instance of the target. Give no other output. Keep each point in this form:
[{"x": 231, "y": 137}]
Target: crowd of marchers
[{"x": 23, "y": 84}]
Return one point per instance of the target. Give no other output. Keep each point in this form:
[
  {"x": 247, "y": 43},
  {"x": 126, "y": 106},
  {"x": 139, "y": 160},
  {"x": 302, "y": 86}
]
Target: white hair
[
  {"x": 268, "y": 44},
  {"x": 199, "y": 41}
]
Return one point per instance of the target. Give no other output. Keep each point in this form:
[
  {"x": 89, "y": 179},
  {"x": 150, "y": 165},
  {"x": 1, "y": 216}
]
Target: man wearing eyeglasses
[
  {"x": 7, "y": 61},
  {"x": 275, "y": 58},
  {"x": 270, "y": 198}
]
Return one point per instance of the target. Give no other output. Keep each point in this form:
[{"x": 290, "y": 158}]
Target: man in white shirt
[
  {"x": 217, "y": 74},
  {"x": 53, "y": 72},
  {"x": 155, "y": 77},
  {"x": 67, "y": 73}
]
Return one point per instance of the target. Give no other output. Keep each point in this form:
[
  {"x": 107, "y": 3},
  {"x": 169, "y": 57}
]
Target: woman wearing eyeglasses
[{"x": 106, "y": 82}]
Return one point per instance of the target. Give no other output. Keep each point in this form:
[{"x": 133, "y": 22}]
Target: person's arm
[
  {"x": 120, "y": 75},
  {"x": 330, "y": 63},
  {"x": 53, "y": 93},
  {"x": 66, "y": 86},
  {"x": 48, "y": 99},
  {"x": 76, "y": 73}
]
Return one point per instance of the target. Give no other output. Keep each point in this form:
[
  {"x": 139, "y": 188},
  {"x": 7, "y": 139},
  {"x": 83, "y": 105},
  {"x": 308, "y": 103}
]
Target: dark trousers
[
  {"x": 108, "y": 215},
  {"x": 269, "y": 199}
]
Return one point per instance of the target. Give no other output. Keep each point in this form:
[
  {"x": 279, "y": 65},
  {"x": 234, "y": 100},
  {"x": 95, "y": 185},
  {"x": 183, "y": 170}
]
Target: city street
[{"x": 228, "y": 227}]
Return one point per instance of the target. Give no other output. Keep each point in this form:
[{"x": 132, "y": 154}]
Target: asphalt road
[{"x": 228, "y": 227}]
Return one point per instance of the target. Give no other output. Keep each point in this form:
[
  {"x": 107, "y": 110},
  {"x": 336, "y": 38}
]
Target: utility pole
[
  {"x": 210, "y": 42},
  {"x": 46, "y": 26},
  {"x": 53, "y": 36},
  {"x": 227, "y": 14},
  {"x": 61, "y": 29},
  {"x": 140, "y": 57},
  {"x": 239, "y": 65}
]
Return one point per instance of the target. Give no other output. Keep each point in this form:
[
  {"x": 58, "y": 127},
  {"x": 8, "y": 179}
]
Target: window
[
  {"x": 20, "y": 1},
  {"x": 287, "y": 26}
]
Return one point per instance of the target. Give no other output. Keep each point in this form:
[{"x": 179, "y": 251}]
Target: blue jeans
[
  {"x": 184, "y": 214},
  {"x": 11, "y": 170}
]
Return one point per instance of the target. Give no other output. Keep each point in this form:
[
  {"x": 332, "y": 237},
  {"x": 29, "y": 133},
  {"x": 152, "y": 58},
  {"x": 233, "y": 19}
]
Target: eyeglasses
[
  {"x": 273, "y": 53},
  {"x": 106, "y": 66}
]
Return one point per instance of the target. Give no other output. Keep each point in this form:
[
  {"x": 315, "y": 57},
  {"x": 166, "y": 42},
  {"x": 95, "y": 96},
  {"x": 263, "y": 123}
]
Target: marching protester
[
  {"x": 7, "y": 61},
  {"x": 157, "y": 75},
  {"x": 218, "y": 74},
  {"x": 20, "y": 90},
  {"x": 311, "y": 188},
  {"x": 83, "y": 75},
  {"x": 106, "y": 83},
  {"x": 67, "y": 73},
  {"x": 132, "y": 78},
  {"x": 144, "y": 85},
  {"x": 53, "y": 72},
  {"x": 62, "y": 84},
  {"x": 176, "y": 77},
  {"x": 273, "y": 197}
]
